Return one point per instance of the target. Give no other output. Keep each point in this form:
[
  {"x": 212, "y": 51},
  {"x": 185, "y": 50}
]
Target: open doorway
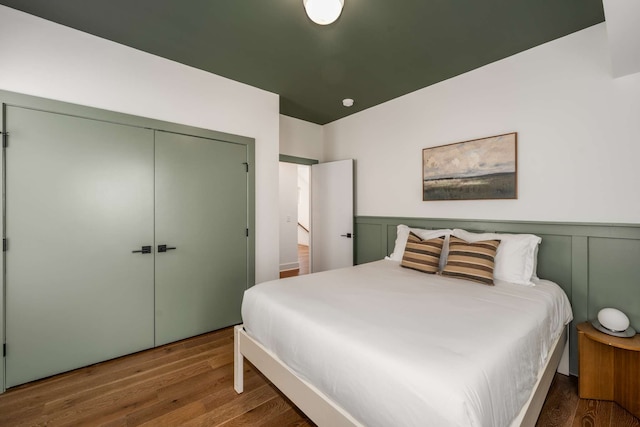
[
  {"x": 295, "y": 219},
  {"x": 321, "y": 238}
]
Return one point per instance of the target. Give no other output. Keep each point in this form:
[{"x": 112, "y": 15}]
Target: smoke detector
[{"x": 347, "y": 102}]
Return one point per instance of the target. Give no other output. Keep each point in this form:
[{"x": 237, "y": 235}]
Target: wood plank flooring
[
  {"x": 563, "y": 408},
  {"x": 190, "y": 383},
  {"x": 289, "y": 273},
  {"x": 303, "y": 263}
]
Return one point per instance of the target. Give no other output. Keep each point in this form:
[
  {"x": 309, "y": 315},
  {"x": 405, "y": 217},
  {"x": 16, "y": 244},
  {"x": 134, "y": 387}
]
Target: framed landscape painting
[{"x": 483, "y": 168}]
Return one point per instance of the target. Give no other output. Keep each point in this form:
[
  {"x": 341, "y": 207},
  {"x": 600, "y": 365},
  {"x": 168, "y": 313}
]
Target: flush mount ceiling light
[{"x": 323, "y": 12}]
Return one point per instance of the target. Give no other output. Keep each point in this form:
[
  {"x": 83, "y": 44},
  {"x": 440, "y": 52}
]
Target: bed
[{"x": 379, "y": 345}]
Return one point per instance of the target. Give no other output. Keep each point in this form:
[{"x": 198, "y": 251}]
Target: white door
[
  {"x": 331, "y": 215},
  {"x": 79, "y": 203}
]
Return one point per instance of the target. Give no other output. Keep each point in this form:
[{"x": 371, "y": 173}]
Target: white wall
[
  {"x": 623, "y": 32},
  {"x": 52, "y": 61},
  {"x": 288, "y": 216},
  {"x": 578, "y": 137},
  {"x": 299, "y": 138}
]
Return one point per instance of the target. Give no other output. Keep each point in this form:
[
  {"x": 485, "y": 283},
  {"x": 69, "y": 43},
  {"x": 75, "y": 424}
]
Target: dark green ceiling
[{"x": 376, "y": 51}]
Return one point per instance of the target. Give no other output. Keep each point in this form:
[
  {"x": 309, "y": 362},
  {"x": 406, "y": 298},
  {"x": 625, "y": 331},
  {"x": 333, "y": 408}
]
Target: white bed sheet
[{"x": 396, "y": 347}]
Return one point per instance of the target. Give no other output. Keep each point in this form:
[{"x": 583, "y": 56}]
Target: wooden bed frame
[{"x": 324, "y": 412}]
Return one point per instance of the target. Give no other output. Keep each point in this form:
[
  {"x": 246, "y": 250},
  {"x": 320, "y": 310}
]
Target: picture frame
[{"x": 479, "y": 169}]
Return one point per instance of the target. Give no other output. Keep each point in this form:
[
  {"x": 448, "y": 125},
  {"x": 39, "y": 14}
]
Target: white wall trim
[{"x": 289, "y": 266}]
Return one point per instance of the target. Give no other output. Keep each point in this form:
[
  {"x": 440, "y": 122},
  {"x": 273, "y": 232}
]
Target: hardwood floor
[
  {"x": 564, "y": 408},
  {"x": 303, "y": 262},
  {"x": 289, "y": 273},
  {"x": 190, "y": 383}
]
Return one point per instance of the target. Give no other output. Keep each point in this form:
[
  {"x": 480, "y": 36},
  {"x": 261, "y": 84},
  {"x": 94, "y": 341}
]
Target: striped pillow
[
  {"x": 471, "y": 261},
  {"x": 422, "y": 255}
]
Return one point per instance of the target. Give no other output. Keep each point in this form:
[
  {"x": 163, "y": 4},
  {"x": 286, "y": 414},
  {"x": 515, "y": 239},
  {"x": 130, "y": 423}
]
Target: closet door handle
[
  {"x": 143, "y": 250},
  {"x": 165, "y": 248}
]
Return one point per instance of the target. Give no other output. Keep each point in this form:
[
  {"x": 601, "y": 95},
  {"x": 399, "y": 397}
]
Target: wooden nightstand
[{"x": 609, "y": 367}]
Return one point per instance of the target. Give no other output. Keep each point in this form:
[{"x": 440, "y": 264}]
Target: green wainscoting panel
[
  {"x": 614, "y": 277},
  {"x": 597, "y": 265},
  {"x": 554, "y": 255},
  {"x": 391, "y": 237},
  {"x": 579, "y": 293},
  {"x": 370, "y": 244}
]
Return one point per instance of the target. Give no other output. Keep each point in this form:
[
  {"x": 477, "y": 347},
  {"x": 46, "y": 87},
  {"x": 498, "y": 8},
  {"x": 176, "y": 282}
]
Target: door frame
[
  {"x": 36, "y": 103},
  {"x": 298, "y": 160},
  {"x": 284, "y": 158}
]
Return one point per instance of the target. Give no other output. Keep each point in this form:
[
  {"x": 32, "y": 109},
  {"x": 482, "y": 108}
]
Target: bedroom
[{"x": 560, "y": 97}]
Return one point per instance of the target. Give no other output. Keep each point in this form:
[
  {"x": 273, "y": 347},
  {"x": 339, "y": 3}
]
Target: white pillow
[
  {"x": 515, "y": 260},
  {"x": 535, "y": 264},
  {"x": 403, "y": 234}
]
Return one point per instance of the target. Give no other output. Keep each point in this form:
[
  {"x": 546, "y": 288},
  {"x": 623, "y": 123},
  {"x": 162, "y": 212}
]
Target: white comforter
[{"x": 396, "y": 347}]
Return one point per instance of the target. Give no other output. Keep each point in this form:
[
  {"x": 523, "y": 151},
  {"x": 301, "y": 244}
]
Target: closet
[
  {"x": 201, "y": 211},
  {"x": 123, "y": 233}
]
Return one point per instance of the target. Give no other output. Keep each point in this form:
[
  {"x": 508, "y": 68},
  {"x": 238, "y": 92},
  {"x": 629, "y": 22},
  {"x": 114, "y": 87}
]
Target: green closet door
[
  {"x": 79, "y": 200},
  {"x": 201, "y": 211}
]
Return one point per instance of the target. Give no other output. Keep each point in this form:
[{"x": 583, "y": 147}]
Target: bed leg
[{"x": 238, "y": 361}]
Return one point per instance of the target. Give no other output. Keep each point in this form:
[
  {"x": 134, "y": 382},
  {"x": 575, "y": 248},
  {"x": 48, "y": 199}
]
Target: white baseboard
[{"x": 289, "y": 266}]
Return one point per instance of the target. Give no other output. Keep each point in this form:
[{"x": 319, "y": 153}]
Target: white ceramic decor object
[{"x": 613, "y": 319}]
